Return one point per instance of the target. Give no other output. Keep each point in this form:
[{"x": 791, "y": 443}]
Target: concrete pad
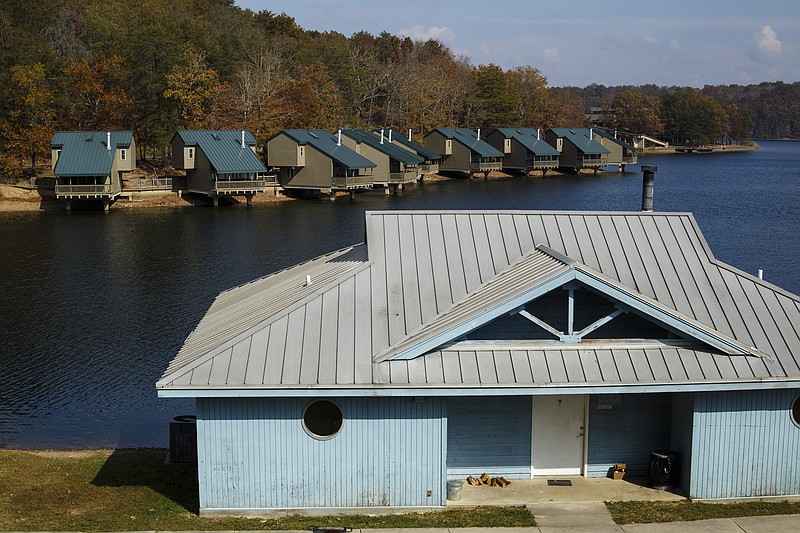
[
  {"x": 573, "y": 516},
  {"x": 401, "y": 530},
  {"x": 525, "y": 491},
  {"x": 716, "y": 525},
  {"x": 772, "y": 524}
]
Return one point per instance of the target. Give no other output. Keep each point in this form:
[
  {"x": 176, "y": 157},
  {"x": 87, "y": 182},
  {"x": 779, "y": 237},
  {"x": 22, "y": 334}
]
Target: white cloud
[
  {"x": 649, "y": 39},
  {"x": 766, "y": 42},
  {"x": 422, "y": 33},
  {"x": 675, "y": 45},
  {"x": 551, "y": 56}
]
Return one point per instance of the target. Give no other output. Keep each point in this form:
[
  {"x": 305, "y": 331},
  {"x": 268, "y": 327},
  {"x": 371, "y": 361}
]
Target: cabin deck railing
[
  {"x": 402, "y": 177},
  {"x": 593, "y": 161},
  {"x": 240, "y": 185},
  {"x": 432, "y": 168},
  {"x": 350, "y": 182},
  {"x": 485, "y": 166},
  {"x": 83, "y": 190}
]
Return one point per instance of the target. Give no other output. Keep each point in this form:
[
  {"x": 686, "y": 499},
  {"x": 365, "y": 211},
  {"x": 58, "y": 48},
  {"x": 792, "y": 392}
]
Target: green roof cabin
[
  {"x": 318, "y": 160},
  {"x": 578, "y": 148},
  {"x": 219, "y": 163},
  {"x": 431, "y": 159},
  {"x": 88, "y": 165},
  {"x": 524, "y": 150},
  {"x": 464, "y": 151},
  {"x": 620, "y": 153},
  {"x": 394, "y": 166}
]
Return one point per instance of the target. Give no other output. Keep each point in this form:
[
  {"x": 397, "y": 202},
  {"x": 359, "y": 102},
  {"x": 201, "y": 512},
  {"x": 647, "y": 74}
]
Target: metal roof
[
  {"x": 391, "y": 313},
  {"x": 327, "y": 143},
  {"x": 414, "y": 146},
  {"x": 610, "y": 136},
  {"x": 85, "y": 153},
  {"x": 374, "y": 140},
  {"x": 581, "y": 137},
  {"x": 527, "y": 137},
  {"x": 469, "y": 138},
  {"x": 224, "y": 150}
]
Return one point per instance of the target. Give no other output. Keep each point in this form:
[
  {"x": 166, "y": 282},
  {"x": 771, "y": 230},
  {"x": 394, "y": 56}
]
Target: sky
[{"x": 579, "y": 42}]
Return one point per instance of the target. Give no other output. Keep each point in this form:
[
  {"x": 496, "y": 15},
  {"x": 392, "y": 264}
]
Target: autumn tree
[
  {"x": 315, "y": 102},
  {"x": 530, "y": 87},
  {"x": 635, "y": 112},
  {"x": 196, "y": 87},
  {"x": 97, "y": 98},
  {"x": 28, "y": 128},
  {"x": 564, "y": 109}
]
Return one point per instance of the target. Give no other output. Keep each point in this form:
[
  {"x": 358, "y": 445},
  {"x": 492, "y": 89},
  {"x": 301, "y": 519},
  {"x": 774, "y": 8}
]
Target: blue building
[{"x": 514, "y": 343}]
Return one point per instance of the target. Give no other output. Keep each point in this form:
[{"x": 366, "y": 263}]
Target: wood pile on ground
[{"x": 484, "y": 479}]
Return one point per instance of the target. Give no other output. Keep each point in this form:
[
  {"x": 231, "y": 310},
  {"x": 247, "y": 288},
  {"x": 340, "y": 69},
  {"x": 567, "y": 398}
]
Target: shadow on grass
[{"x": 149, "y": 468}]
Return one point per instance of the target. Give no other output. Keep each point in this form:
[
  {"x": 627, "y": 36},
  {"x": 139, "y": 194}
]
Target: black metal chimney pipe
[{"x": 648, "y": 182}]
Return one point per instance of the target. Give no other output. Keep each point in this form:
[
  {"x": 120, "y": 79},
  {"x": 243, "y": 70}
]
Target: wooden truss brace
[{"x": 570, "y": 335}]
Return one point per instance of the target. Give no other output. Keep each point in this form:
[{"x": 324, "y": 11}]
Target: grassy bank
[
  {"x": 649, "y": 512},
  {"x": 130, "y": 490}
]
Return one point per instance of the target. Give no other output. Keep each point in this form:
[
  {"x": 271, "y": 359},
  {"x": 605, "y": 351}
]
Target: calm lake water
[{"x": 93, "y": 306}]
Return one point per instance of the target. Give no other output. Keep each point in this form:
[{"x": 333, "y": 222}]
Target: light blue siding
[
  {"x": 745, "y": 445},
  {"x": 627, "y": 433},
  {"x": 489, "y": 434},
  {"x": 255, "y": 455}
]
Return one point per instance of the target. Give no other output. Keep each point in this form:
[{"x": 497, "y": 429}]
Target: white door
[{"x": 558, "y": 435}]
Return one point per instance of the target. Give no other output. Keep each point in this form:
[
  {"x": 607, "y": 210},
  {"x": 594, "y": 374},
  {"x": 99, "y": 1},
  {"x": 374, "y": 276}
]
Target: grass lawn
[
  {"x": 130, "y": 490},
  {"x": 636, "y": 512}
]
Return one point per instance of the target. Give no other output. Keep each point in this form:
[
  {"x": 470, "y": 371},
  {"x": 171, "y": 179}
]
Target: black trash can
[
  {"x": 664, "y": 469},
  {"x": 183, "y": 439}
]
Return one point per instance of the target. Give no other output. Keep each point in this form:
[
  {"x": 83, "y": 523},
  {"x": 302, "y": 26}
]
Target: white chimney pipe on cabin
[
  {"x": 242, "y": 139},
  {"x": 339, "y": 140},
  {"x": 390, "y": 135},
  {"x": 381, "y": 135},
  {"x": 409, "y": 134},
  {"x": 760, "y": 273},
  {"x": 537, "y": 134},
  {"x": 108, "y": 140},
  {"x": 479, "y": 134}
]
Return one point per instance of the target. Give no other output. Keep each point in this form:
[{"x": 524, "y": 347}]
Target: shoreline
[{"x": 20, "y": 198}]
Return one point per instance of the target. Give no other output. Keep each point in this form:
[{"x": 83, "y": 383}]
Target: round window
[
  {"x": 322, "y": 419},
  {"x": 796, "y": 411}
]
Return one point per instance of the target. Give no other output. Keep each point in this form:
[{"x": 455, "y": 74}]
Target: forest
[{"x": 155, "y": 66}]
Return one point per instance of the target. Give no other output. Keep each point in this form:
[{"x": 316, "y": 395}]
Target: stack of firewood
[{"x": 484, "y": 479}]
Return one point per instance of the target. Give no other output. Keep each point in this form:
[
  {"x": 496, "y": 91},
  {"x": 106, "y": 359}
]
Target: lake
[{"x": 94, "y": 305}]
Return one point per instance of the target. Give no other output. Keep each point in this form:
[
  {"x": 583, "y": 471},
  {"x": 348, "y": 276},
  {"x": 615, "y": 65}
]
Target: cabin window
[
  {"x": 123, "y": 154},
  {"x": 191, "y": 153},
  {"x": 322, "y": 419},
  {"x": 559, "y": 144},
  {"x": 301, "y": 151},
  {"x": 796, "y": 410}
]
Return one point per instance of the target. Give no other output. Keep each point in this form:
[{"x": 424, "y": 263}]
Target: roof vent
[
  {"x": 311, "y": 133},
  {"x": 88, "y": 137},
  {"x": 215, "y": 136}
]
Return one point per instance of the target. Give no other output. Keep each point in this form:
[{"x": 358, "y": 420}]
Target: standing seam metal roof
[
  {"x": 326, "y": 143},
  {"x": 84, "y": 153},
  {"x": 527, "y": 138},
  {"x": 426, "y": 153},
  {"x": 224, "y": 150},
  {"x": 373, "y": 140},
  {"x": 423, "y": 267},
  {"x": 580, "y": 138},
  {"x": 469, "y": 138},
  {"x": 610, "y": 136}
]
